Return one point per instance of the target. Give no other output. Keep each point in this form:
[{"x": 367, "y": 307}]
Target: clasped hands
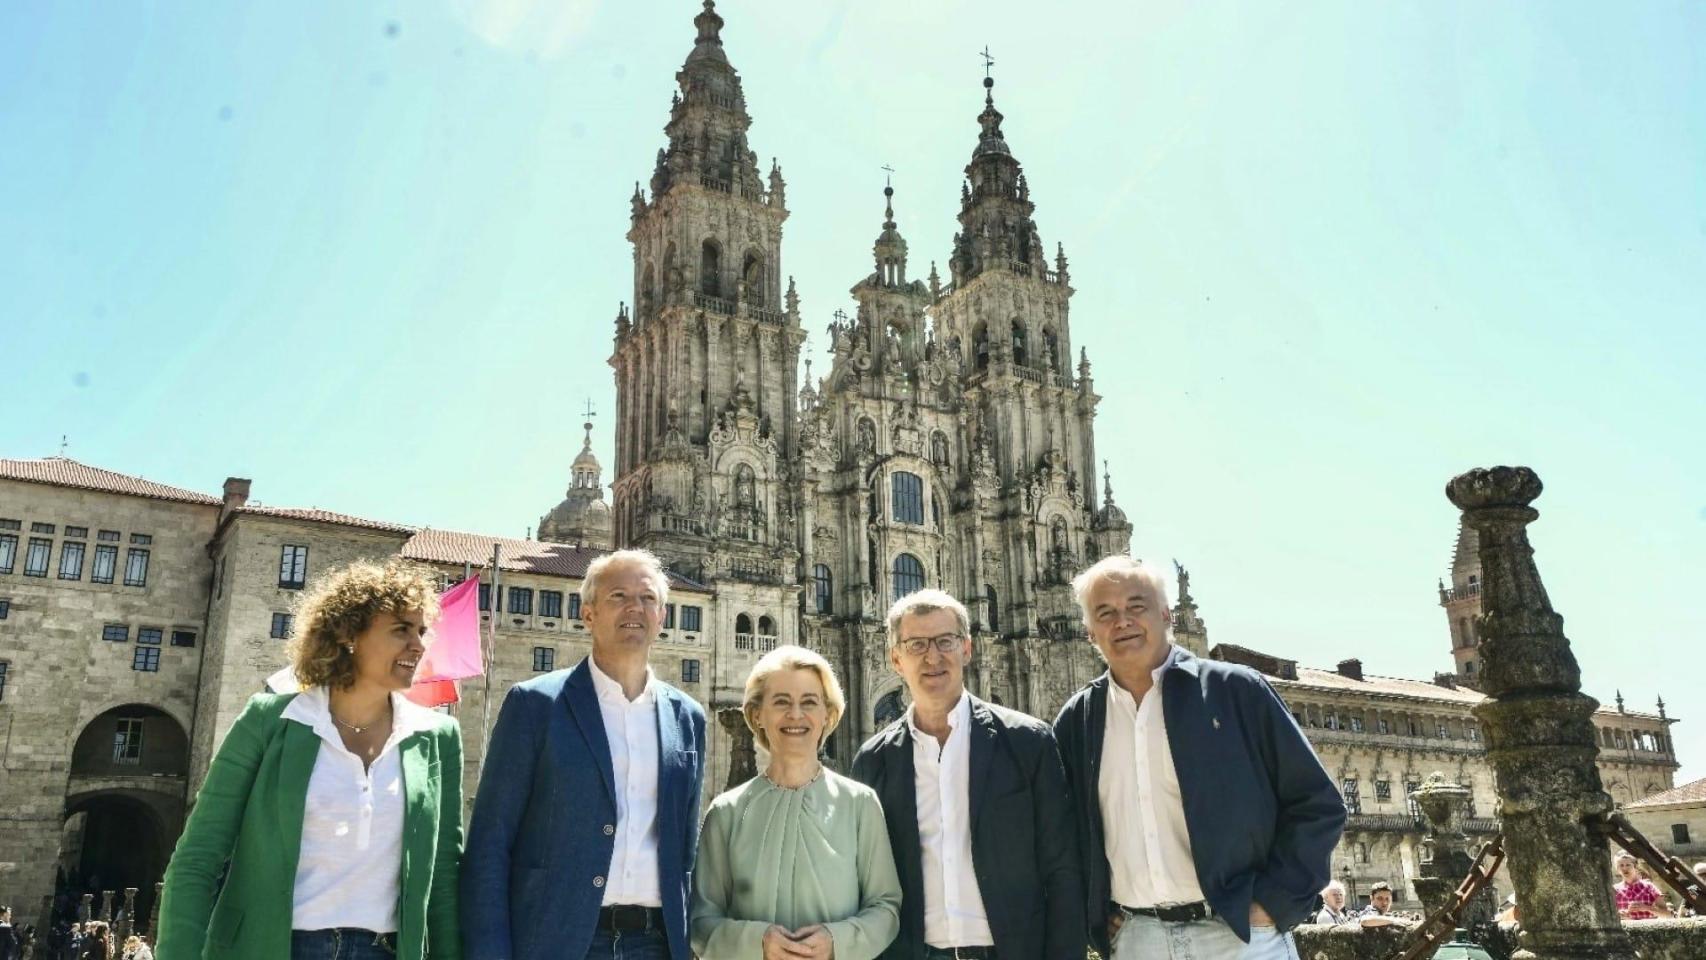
[{"x": 806, "y": 943}]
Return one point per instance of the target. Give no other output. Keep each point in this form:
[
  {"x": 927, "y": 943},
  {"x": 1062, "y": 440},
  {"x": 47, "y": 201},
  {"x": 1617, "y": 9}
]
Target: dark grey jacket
[
  {"x": 1023, "y": 846},
  {"x": 1262, "y": 814}
]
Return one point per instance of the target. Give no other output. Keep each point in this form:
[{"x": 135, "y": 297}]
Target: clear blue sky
[{"x": 1327, "y": 255}]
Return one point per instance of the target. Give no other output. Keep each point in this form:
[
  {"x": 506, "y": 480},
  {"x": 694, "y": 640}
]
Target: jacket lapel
[
  {"x": 1096, "y": 727},
  {"x": 416, "y": 752},
  {"x": 670, "y": 745},
  {"x": 582, "y": 702},
  {"x": 901, "y": 796},
  {"x": 297, "y": 753},
  {"x": 982, "y": 733}
]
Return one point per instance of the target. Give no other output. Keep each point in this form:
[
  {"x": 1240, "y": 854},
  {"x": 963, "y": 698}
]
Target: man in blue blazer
[
  {"x": 1206, "y": 822},
  {"x": 587, "y": 818}
]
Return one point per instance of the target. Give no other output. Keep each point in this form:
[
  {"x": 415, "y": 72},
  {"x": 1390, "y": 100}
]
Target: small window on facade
[
  {"x": 1353, "y": 799},
  {"x": 1332, "y": 722},
  {"x": 293, "y": 567},
  {"x": 108, "y": 536},
  {"x": 689, "y": 671},
  {"x": 1383, "y": 790},
  {"x": 823, "y": 589},
  {"x": 127, "y": 741},
  {"x": 551, "y": 603},
  {"x": 544, "y": 659},
  {"x": 149, "y": 635},
  {"x": 485, "y": 596},
  {"x": 5, "y": 607},
  {"x": 1679, "y": 834},
  {"x": 1356, "y": 724},
  {"x": 183, "y": 638},
  {"x": 136, "y": 568},
  {"x": 46, "y": 528},
  {"x": 669, "y": 616},
  {"x": 908, "y": 575},
  {"x": 71, "y": 560},
  {"x": 6, "y": 523},
  {"x": 1383, "y": 725},
  {"x": 116, "y": 632},
  {"x": 692, "y": 618},
  {"x": 521, "y": 600},
  {"x": 8, "y": 552},
  {"x": 106, "y": 564},
  {"x": 77, "y": 533},
  {"x": 574, "y": 606},
  {"x": 3, "y": 671},
  {"x": 908, "y": 496},
  {"x": 35, "y": 561},
  {"x": 145, "y": 660},
  {"x": 141, "y": 539},
  {"x": 991, "y": 608},
  {"x": 281, "y": 624}
]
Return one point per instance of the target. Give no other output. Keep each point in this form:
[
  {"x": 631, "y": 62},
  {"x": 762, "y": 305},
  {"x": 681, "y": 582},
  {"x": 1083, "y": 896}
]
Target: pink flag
[{"x": 453, "y": 647}]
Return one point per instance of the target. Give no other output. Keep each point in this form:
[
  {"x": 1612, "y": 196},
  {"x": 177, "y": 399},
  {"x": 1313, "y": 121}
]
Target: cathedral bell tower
[{"x": 705, "y": 361}]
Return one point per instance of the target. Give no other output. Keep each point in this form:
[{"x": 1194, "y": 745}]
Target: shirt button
[
  {"x": 610, "y": 830},
  {"x": 598, "y": 881}
]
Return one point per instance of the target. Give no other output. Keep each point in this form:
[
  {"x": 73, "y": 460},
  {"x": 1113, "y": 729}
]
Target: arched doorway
[{"x": 124, "y": 806}]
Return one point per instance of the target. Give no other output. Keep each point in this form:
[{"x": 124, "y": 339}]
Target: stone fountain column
[
  {"x": 743, "y": 758},
  {"x": 1445, "y": 805},
  {"x": 1540, "y": 734}
]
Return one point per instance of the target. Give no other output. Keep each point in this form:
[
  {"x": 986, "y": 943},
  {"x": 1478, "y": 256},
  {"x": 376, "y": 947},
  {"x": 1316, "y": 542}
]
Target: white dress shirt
[
  {"x": 1143, "y": 816},
  {"x": 953, "y": 904},
  {"x": 631, "y": 728},
  {"x": 350, "y": 869}
]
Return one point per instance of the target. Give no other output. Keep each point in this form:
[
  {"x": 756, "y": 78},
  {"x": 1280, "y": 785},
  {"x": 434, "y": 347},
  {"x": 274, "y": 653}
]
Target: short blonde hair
[
  {"x": 644, "y": 559},
  {"x": 341, "y": 604},
  {"x": 1122, "y": 567},
  {"x": 790, "y": 657},
  {"x": 926, "y": 601}
]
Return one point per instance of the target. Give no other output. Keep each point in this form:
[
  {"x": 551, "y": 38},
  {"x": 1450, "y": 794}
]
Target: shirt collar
[
  {"x": 959, "y": 717},
  {"x": 611, "y": 691},
  {"x": 313, "y": 708},
  {"x": 1124, "y": 696}
]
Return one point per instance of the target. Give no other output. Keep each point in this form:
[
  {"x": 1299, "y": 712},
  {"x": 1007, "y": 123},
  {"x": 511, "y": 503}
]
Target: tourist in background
[
  {"x": 9, "y": 945},
  {"x": 1637, "y": 897},
  {"x": 584, "y": 828},
  {"x": 1332, "y": 905},
  {"x": 136, "y": 949},
  {"x": 1205, "y": 819},
  {"x": 335, "y": 813},
  {"x": 795, "y": 863},
  {"x": 1379, "y": 913},
  {"x": 97, "y": 942},
  {"x": 976, "y": 804}
]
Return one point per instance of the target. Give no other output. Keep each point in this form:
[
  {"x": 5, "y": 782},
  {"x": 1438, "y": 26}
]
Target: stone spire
[
  {"x": 582, "y": 517},
  {"x": 1189, "y": 631},
  {"x": 996, "y": 229},
  {"x": 1540, "y": 733},
  {"x": 708, "y": 122},
  {"x": 890, "y": 248}
]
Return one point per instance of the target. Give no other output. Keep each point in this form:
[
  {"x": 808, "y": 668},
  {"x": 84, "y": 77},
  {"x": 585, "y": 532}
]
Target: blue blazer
[
  {"x": 542, "y": 835},
  {"x": 1262, "y": 814}
]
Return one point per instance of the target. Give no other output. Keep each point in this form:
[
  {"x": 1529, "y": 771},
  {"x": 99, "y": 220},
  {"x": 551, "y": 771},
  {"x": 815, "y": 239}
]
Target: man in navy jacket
[
  {"x": 1204, "y": 815},
  {"x": 587, "y": 820}
]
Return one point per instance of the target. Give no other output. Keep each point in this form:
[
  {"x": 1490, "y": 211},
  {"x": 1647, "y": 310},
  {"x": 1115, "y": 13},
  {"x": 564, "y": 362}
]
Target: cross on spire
[
  {"x": 888, "y": 175},
  {"x": 988, "y": 61},
  {"x": 590, "y": 412}
]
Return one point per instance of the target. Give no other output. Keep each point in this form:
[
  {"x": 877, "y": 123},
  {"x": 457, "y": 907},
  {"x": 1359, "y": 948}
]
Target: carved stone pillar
[
  {"x": 154, "y": 913},
  {"x": 127, "y": 926},
  {"x": 86, "y": 908},
  {"x": 106, "y": 907},
  {"x": 1445, "y": 805},
  {"x": 1540, "y": 734},
  {"x": 743, "y": 756}
]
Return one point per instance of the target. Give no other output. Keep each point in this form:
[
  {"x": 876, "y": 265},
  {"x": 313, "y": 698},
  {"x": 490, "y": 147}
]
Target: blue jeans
[
  {"x": 1146, "y": 938},
  {"x": 635, "y": 945},
  {"x": 343, "y": 943}
]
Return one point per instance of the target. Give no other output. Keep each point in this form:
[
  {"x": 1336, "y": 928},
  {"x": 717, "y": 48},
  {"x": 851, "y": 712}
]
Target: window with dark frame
[
  {"x": 71, "y": 560},
  {"x": 8, "y": 552},
  {"x": 669, "y": 616},
  {"x": 908, "y": 497},
  {"x": 116, "y": 633},
  {"x": 106, "y": 563},
  {"x": 485, "y": 596},
  {"x": 1353, "y": 798},
  {"x": 551, "y": 603},
  {"x": 823, "y": 589},
  {"x": 692, "y": 618},
  {"x": 149, "y": 635},
  {"x": 183, "y": 638},
  {"x": 1678, "y": 831},
  {"x": 520, "y": 600},
  {"x": 46, "y": 528},
  {"x": 127, "y": 741},
  {"x": 292, "y": 567},
  {"x": 689, "y": 671},
  {"x": 109, "y": 536},
  {"x": 574, "y": 606},
  {"x": 142, "y": 539},
  {"x": 145, "y": 660},
  {"x": 3, "y": 670},
  {"x": 1382, "y": 790},
  {"x": 6, "y": 523},
  {"x": 77, "y": 533},
  {"x": 544, "y": 659},
  {"x": 281, "y": 624},
  {"x": 5, "y": 607},
  {"x": 35, "y": 560},
  {"x": 907, "y": 574},
  {"x": 136, "y": 568}
]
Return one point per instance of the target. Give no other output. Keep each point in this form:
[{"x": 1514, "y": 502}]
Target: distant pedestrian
[
  {"x": 1332, "y": 905},
  {"x": 135, "y": 949},
  {"x": 1637, "y": 897},
  {"x": 8, "y": 936}
]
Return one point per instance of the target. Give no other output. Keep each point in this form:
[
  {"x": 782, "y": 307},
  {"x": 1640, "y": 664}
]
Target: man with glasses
[{"x": 976, "y": 804}]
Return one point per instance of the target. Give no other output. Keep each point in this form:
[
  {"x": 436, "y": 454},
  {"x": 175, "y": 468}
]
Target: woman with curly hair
[{"x": 335, "y": 813}]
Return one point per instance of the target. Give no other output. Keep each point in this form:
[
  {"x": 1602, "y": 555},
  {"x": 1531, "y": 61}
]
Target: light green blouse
[{"x": 819, "y": 854}]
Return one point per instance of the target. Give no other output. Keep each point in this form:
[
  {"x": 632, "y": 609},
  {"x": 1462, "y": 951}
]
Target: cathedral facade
[{"x": 950, "y": 445}]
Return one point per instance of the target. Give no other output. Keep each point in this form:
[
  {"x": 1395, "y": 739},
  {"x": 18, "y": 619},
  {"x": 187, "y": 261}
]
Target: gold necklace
[
  {"x": 352, "y": 727},
  {"x": 815, "y": 776}
]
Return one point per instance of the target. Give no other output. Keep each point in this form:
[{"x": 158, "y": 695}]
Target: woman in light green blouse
[{"x": 795, "y": 863}]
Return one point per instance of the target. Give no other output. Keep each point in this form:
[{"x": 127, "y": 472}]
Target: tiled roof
[
  {"x": 61, "y": 472},
  {"x": 1687, "y": 793},
  {"x": 316, "y": 515},
  {"x": 520, "y": 556},
  {"x": 1335, "y": 682}
]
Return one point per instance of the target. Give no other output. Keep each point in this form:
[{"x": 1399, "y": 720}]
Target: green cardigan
[{"x": 249, "y": 814}]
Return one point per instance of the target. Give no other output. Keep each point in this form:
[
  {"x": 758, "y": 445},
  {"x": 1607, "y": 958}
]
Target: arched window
[
  {"x": 908, "y": 497},
  {"x": 752, "y": 280},
  {"x": 1018, "y": 343},
  {"x": 908, "y": 575},
  {"x": 743, "y": 624},
  {"x": 766, "y": 626},
  {"x": 990, "y": 608},
  {"x": 648, "y": 292},
  {"x": 980, "y": 346},
  {"x": 1462, "y": 631},
  {"x": 710, "y": 269},
  {"x": 823, "y": 589}
]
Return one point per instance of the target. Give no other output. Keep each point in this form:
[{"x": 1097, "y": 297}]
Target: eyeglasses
[{"x": 944, "y": 643}]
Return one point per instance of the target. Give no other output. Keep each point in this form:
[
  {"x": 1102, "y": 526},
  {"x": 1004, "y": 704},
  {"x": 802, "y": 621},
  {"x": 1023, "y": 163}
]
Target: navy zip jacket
[{"x": 1262, "y": 814}]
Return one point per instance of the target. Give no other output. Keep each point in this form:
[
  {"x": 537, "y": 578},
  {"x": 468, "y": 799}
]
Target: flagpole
[{"x": 490, "y": 657}]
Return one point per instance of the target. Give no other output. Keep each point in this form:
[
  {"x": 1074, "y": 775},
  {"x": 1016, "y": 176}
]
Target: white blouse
[{"x": 349, "y": 872}]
